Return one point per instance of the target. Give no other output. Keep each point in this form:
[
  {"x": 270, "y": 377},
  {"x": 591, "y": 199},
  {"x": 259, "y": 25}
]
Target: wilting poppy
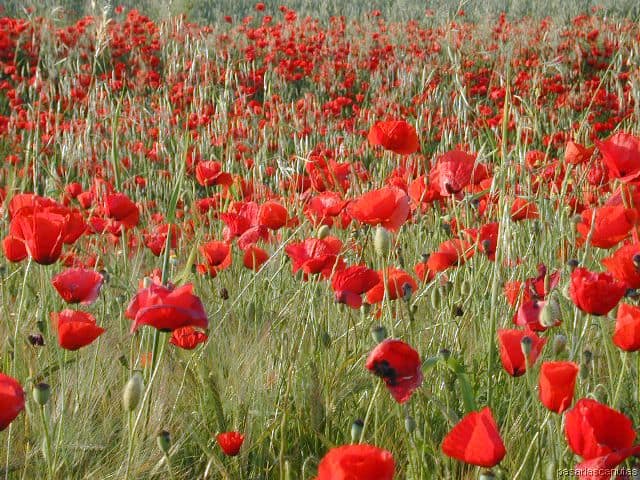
[
  {"x": 187, "y": 338},
  {"x": 399, "y": 283},
  {"x": 11, "y": 400},
  {"x": 398, "y": 365},
  {"x": 76, "y": 329},
  {"x": 349, "y": 284},
  {"x": 595, "y": 293},
  {"x": 622, "y": 265},
  {"x": 77, "y": 285},
  {"x": 395, "y": 135},
  {"x": 230, "y": 442},
  {"x": 606, "y": 226},
  {"x": 475, "y": 440},
  {"x": 356, "y": 462},
  {"x": 627, "y": 332},
  {"x": 314, "y": 255},
  {"x": 387, "y": 206},
  {"x": 621, "y": 155},
  {"x": 511, "y": 353},
  {"x": 593, "y": 429},
  {"x": 557, "y": 384},
  {"x": 166, "y": 308}
]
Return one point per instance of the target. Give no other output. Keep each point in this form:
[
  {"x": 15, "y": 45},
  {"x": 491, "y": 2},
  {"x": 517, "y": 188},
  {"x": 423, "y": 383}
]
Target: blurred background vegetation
[{"x": 213, "y": 11}]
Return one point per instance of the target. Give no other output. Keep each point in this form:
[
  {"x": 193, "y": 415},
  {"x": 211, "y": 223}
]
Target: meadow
[{"x": 290, "y": 245}]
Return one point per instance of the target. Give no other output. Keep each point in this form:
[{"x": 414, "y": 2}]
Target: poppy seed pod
[
  {"x": 133, "y": 391},
  {"x": 323, "y": 232},
  {"x": 382, "y": 241},
  {"x": 164, "y": 441},
  {"x": 356, "y": 430},
  {"x": 41, "y": 393}
]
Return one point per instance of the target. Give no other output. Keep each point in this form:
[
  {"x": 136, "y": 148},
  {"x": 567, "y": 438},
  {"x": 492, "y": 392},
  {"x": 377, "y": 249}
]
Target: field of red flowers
[{"x": 285, "y": 247}]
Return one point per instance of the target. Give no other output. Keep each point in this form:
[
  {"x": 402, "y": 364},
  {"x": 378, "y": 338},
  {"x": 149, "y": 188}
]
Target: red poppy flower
[
  {"x": 210, "y": 173},
  {"x": 593, "y": 429},
  {"x": 622, "y": 265},
  {"x": 627, "y": 332},
  {"x": 576, "y": 154},
  {"x": 398, "y": 365},
  {"x": 121, "y": 208},
  {"x": 450, "y": 253},
  {"x": 323, "y": 208},
  {"x": 167, "y": 308},
  {"x": 187, "y": 338},
  {"x": 522, "y": 209},
  {"x": 621, "y": 155},
  {"x": 595, "y": 293},
  {"x": 557, "y": 384},
  {"x": 486, "y": 237},
  {"x": 387, "y": 206},
  {"x": 254, "y": 257},
  {"x": 399, "y": 283},
  {"x": 475, "y": 440},
  {"x": 11, "y": 400},
  {"x": 511, "y": 353},
  {"x": 356, "y": 462},
  {"x": 156, "y": 240},
  {"x": 606, "y": 226},
  {"x": 77, "y": 285},
  {"x": 315, "y": 255},
  {"x": 455, "y": 170},
  {"x": 272, "y": 215},
  {"x": 349, "y": 284},
  {"x": 76, "y": 329},
  {"x": 39, "y": 235},
  {"x": 217, "y": 256},
  {"x": 395, "y": 135},
  {"x": 230, "y": 442}
]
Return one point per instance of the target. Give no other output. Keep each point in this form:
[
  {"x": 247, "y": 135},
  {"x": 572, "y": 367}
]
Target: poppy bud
[
  {"x": 379, "y": 333},
  {"x": 573, "y": 264},
  {"x": 41, "y": 394},
  {"x": 559, "y": 344},
  {"x": 382, "y": 241},
  {"x": 424, "y": 257},
  {"x": 551, "y": 470},
  {"x": 251, "y": 310},
  {"x": 407, "y": 290},
  {"x": 550, "y": 313},
  {"x": 224, "y": 293},
  {"x": 436, "y": 298},
  {"x": 326, "y": 339},
  {"x": 356, "y": 430},
  {"x": 147, "y": 282},
  {"x": 465, "y": 288},
  {"x": 164, "y": 441},
  {"x": 457, "y": 311},
  {"x": 445, "y": 354},
  {"x": 133, "y": 391},
  {"x": 409, "y": 424},
  {"x": 36, "y": 339},
  {"x": 585, "y": 365},
  {"x": 526, "y": 344},
  {"x": 487, "y": 475},
  {"x": 576, "y": 219},
  {"x": 323, "y": 231},
  {"x": 486, "y": 245}
]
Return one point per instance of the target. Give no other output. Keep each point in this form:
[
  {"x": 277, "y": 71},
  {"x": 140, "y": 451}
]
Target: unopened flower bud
[
  {"x": 576, "y": 218},
  {"x": 550, "y": 314},
  {"x": 525, "y": 345},
  {"x": 164, "y": 441},
  {"x": 382, "y": 241},
  {"x": 379, "y": 333},
  {"x": 487, "y": 475},
  {"x": 436, "y": 297},
  {"x": 147, "y": 282},
  {"x": 133, "y": 391},
  {"x": 356, "y": 430},
  {"x": 41, "y": 393},
  {"x": 409, "y": 424},
  {"x": 573, "y": 264},
  {"x": 323, "y": 231},
  {"x": 224, "y": 294},
  {"x": 445, "y": 354},
  {"x": 407, "y": 290},
  {"x": 559, "y": 344}
]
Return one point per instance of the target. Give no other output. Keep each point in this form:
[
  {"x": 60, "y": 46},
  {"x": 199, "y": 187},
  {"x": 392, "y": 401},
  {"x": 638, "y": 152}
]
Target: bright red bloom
[
  {"x": 77, "y": 285},
  {"x": 593, "y": 429},
  {"x": 272, "y": 215},
  {"x": 576, "y": 154},
  {"x": 475, "y": 440},
  {"x": 37, "y": 234},
  {"x": 387, "y": 206},
  {"x": 398, "y": 365},
  {"x": 187, "y": 338},
  {"x": 522, "y": 209},
  {"x": 455, "y": 170},
  {"x": 349, "y": 284},
  {"x": 399, "y": 283},
  {"x": 230, "y": 442},
  {"x": 621, "y": 155},
  {"x": 595, "y": 293},
  {"x": 511, "y": 353},
  {"x": 622, "y": 265},
  {"x": 210, "y": 173},
  {"x": 76, "y": 329},
  {"x": 121, "y": 208},
  {"x": 254, "y": 257},
  {"x": 167, "y": 308},
  {"x": 609, "y": 226},
  {"x": 627, "y": 332},
  {"x": 11, "y": 400},
  {"x": 557, "y": 384},
  {"x": 217, "y": 257},
  {"x": 450, "y": 253},
  {"x": 315, "y": 255},
  {"x": 356, "y": 462},
  {"x": 395, "y": 135},
  {"x": 324, "y": 207},
  {"x": 486, "y": 237}
]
